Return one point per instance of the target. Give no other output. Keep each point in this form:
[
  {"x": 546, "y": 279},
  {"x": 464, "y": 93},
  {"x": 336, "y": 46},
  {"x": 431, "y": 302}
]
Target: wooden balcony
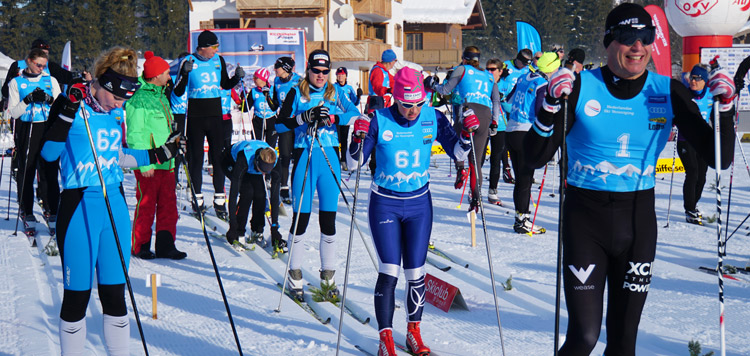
[
  {"x": 434, "y": 57},
  {"x": 351, "y": 51},
  {"x": 280, "y": 8},
  {"x": 372, "y": 10}
]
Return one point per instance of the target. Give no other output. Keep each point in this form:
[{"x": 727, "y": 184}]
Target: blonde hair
[
  {"x": 304, "y": 89},
  {"x": 122, "y": 60},
  {"x": 268, "y": 155}
]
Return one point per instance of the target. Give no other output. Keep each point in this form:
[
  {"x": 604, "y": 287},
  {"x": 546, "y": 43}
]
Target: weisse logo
[{"x": 695, "y": 8}]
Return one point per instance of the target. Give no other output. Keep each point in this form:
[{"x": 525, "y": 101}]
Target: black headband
[
  {"x": 120, "y": 85},
  {"x": 470, "y": 56}
]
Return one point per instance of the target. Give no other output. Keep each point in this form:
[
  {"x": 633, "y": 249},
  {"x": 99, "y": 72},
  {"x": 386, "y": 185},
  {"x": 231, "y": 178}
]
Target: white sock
[
  {"x": 72, "y": 337},
  {"x": 296, "y": 257},
  {"x": 117, "y": 335},
  {"x": 327, "y": 252}
]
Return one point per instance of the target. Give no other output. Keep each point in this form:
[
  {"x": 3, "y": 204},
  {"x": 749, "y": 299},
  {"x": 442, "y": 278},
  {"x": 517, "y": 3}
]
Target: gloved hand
[
  {"x": 28, "y": 99},
  {"x": 187, "y": 66},
  {"x": 39, "y": 96},
  {"x": 430, "y": 82},
  {"x": 316, "y": 114},
  {"x": 474, "y": 205},
  {"x": 329, "y": 120},
  {"x": 166, "y": 151},
  {"x": 387, "y": 100},
  {"x": 361, "y": 127},
  {"x": 470, "y": 123},
  {"x": 721, "y": 85},
  {"x": 239, "y": 72},
  {"x": 76, "y": 93},
  {"x": 493, "y": 128},
  {"x": 359, "y": 92},
  {"x": 561, "y": 83},
  {"x": 265, "y": 90}
]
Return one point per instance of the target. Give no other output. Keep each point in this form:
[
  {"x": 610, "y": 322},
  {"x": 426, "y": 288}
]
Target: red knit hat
[{"x": 154, "y": 65}]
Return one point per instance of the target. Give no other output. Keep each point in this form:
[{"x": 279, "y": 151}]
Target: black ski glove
[
  {"x": 318, "y": 113},
  {"x": 166, "y": 151}
]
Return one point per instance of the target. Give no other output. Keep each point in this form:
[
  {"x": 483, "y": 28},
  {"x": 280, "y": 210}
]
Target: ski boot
[
  {"x": 284, "y": 193},
  {"x": 145, "y": 252},
  {"x": 296, "y": 284},
  {"x": 344, "y": 167},
  {"x": 220, "y": 207},
  {"x": 165, "y": 247},
  {"x": 257, "y": 238},
  {"x": 493, "y": 198},
  {"x": 523, "y": 225},
  {"x": 414, "y": 340},
  {"x": 387, "y": 346},
  {"x": 694, "y": 217},
  {"x": 52, "y": 224},
  {"x": 200, "y": 208},
  {"x": 508, "y": 176},
  {"x": 29, "y": 227},
  {"x": 461, "y": 175},
  {"x": 279, "y": 245},
  {"x": 328, "y": 284}
]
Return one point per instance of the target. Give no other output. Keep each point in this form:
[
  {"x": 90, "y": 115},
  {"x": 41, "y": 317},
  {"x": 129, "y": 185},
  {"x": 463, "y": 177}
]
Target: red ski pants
[{"x": 156, "y": 198}]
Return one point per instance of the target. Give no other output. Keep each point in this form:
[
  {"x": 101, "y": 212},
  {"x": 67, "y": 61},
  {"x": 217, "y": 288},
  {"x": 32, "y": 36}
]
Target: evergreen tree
[
  {"x": 163, "y": 27},
  {"x": 118, "y": 25},
  {"x": 21, "y": 22},
  {"x": 85, "y": 34}
]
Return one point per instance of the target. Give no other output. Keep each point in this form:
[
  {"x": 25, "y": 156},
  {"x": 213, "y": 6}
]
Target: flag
[
  {"x": 528, "y": 37},
  {"x": 66, "y": 62},
  {"x": 662, "y": 51}
]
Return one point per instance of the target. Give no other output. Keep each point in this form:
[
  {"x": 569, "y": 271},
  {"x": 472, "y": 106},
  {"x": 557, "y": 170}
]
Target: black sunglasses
[
  {"x": 628, "y": 35},
  {"x": 319, "y": 71},
  {"x": 697, "y": 78},
  {"x": 491, "y": 69}
]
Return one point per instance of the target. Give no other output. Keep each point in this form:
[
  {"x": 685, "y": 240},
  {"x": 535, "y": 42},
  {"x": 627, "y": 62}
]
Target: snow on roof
[{"x": 438, "y": 11}]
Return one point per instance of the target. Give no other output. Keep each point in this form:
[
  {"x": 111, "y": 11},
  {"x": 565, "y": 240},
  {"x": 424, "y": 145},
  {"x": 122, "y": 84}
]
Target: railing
[
  {"x": 374, "y": 10},
  {"x": 351, "y": 51},
  {"x": 281, "y": 8},
  {"x": 433, "y": 57}
]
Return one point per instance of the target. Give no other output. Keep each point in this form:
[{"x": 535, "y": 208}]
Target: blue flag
[{"x": 528, "y": 37}]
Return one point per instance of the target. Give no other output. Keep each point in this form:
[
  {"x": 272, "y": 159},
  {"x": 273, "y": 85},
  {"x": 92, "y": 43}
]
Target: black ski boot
[
  {"x": 694, "y": 217},
  {"x": 29, "y": 226},
  {"x": 279, "y": 245},
  {"x": 145, "y": 252},
  {"x": 284, "y": 193},
  {"x": 220, "y": 207},
  {"x": 296, "y": 284},
  {"x": 165, "y": 246}
]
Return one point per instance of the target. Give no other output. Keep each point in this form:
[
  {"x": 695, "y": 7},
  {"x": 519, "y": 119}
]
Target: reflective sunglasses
[
  {"x": 491, "y": 69},
  {"x": 697, "y": 78},
  {"x": 40, "y": 66},
  {"x": 628, "y": 35},
  {"x": 319, "y": 71},
  {"x": 216, "y": 46},
  {"x": 406, "y": 105}
]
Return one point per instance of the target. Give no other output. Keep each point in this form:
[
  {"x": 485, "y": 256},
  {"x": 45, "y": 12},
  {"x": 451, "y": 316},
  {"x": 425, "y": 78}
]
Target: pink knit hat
[
  {"x": 263, "y": 74},
  {"x": 408, "y": 86}
]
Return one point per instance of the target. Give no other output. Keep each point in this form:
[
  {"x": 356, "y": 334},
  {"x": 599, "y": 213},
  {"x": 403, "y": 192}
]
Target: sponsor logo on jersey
[
  {"x": 638, "y": 277},
  {"x": 582, "y": 275},
  {"x": 659, "y": 99},
  {"x": 592, "y": 108},
  {"x": 426, "y": 123},
  {"x": 657, "y": 123},
  {"x": 470, "y": 71},
  {"x": 657, "y": 110},
  {"x": 387, "y": 135},
  {"x": 427, "y": 130},
  {"x": 23, "y": 86},
  {"x": 658, "y": 120},
  {"x": 427, "y": 136},
  {"x": 386, "y": 221}
]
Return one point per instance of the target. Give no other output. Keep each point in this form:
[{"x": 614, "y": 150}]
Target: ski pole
[
  {"x": 563, "y": 175},
  {"x": 367, "y": 247},
  {"x": 487, "y": 243},
  {"x": 25, "y": 168},
  {"x": 554, "y": 174},
  {"x": 351, "y": 237},
  {"x": 538, "y": 200},
  {"x": 85, "y": 115},
  {"x": 729, "y": 202},
  {"x": 210, "y": 250},
  {"x": 671, "y": 178},
  {"x": 466, "y": 181},
  {"x": 2, "y": 156},
  {"x": 296, "y": 217}
]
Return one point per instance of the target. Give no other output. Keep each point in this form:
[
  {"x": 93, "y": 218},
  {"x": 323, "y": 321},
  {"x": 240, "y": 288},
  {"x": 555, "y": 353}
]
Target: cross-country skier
[
  {"x": 480, "y": 94},
  {"x": 313, "y": 109},
  {"x": 246, "y": 163},
  {"x": 85, "y": 232},
  {"x": 203, "y": 76},
  {"x": 149, "y": 124},
  {"x": 285, "y": 80},
  {"x": 618, "y": 121},
  {"x": 695, "y": 166},
  {"x": 31, "y": 95},
  {"x": 400, "y": 199},
  {"x": 353, "y": 95},
  {"x": 264, "y": 118},
  {"x": 498, "y": 150},
  {"x": 527, "y": 98}
]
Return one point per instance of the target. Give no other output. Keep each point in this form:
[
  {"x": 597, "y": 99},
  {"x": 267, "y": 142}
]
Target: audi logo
[{"x": 657, "y": 110}]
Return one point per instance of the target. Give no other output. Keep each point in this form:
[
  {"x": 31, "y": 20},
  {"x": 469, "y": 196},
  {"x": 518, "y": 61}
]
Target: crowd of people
[{"x": 523, "y": 108}]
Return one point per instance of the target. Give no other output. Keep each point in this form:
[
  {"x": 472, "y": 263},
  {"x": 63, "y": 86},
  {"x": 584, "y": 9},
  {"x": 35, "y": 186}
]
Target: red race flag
[{"x": 661, "y": 54}]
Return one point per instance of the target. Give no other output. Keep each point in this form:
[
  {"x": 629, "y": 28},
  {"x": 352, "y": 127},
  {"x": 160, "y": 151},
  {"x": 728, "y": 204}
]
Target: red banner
[
  {"x": 661, "y": 54},
  {"x": 442, "y": 294}
]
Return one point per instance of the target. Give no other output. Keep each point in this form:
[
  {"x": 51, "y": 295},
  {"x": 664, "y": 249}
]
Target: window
[
  {"x": 413, "y": 41},
  {"x": 370, "y": 31},
  {"x": 227, "y": 23},
  {"x": 399, "y": 35}
]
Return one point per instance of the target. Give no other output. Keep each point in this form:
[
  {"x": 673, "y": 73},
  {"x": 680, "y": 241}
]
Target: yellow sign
[
  {"x": 438, "y": 150},
  {"x": 664, "y": 165}
]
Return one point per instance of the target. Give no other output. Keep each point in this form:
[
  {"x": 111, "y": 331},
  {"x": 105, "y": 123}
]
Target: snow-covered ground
[{"x": 682, "y": 304}]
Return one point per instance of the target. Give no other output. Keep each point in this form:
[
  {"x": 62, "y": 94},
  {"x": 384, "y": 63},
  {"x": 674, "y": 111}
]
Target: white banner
[{"x": 283, "y": 37}]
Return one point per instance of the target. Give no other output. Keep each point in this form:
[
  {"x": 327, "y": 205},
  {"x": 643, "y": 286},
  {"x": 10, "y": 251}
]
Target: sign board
[
  {"x": 730, "y": 59},
  {"x": 442, "y": 294},
  {"x": 664, "y": 166}
]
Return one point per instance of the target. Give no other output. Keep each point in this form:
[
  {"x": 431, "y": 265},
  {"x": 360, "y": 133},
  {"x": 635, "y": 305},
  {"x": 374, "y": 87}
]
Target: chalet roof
[{"x": 464, "y": 12}]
